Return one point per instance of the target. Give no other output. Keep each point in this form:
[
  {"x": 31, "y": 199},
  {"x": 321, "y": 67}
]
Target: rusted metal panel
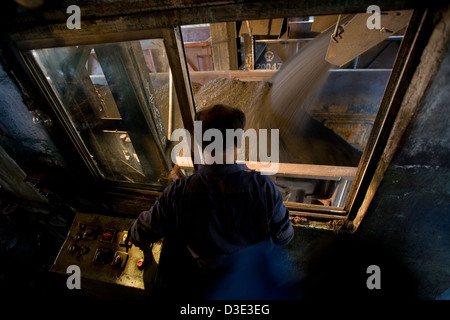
[{"x": 223, "y": 43}]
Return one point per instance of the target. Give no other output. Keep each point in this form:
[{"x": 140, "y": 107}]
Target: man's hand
[{"x": 175, "y": 173}]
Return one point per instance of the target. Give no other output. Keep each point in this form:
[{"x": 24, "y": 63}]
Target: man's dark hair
[{"x": 221, "y": 117}]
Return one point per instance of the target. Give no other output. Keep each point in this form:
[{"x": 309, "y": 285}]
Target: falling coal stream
[
  {"x": 296, "y": 84},
  {"x": 295, "y": 87}
]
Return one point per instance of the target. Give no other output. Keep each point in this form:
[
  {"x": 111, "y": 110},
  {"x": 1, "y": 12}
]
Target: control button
[
  {"x": 73, "y": 248},
  {"x": 90, "y": 232},
  {"x": 84, "y": 249},
  {"x": 140, "y": 264},
  {"x": 120, "y": 259},
  {"x": 124, "y": 239},
  {"x": 77, "y": 237},
  {"x": 108, "y": 235},
  {"x": 117, "y": 260}
]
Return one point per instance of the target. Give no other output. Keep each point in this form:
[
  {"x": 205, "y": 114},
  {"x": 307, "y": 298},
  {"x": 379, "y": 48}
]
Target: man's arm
[
  {"x": 151, "y": 225},
  {"x": 280, "y": 226}
]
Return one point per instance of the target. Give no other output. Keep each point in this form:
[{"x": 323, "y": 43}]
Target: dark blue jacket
[{"x": 219, "y": 210}]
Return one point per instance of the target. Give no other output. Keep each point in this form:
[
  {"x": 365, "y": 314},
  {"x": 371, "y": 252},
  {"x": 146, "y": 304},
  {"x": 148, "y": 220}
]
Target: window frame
[{"x": 171, "y": 37}]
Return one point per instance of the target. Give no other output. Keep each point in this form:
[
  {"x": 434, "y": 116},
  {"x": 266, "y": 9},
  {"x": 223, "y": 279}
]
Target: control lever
[
  {"x": 120, "y": 259},
  {"x": 147, "y": 259},
  {"x": 125, "y": 240}
]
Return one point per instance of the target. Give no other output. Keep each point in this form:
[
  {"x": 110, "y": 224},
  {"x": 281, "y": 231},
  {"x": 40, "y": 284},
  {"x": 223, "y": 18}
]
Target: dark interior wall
[
  {"x": 23, "y": 144},
  {"x": 406, "y": 229},
  {"x": 23, "y": 139}
]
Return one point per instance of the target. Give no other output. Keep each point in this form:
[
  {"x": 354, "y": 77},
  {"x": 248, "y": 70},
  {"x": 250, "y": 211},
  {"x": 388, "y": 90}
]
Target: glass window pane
[
  {"x": 116, "y": 96},
  {"x": 107, "y": 108}
]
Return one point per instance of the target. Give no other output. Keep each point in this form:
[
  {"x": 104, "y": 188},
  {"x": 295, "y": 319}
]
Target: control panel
[{"x": 99, "y": 246}]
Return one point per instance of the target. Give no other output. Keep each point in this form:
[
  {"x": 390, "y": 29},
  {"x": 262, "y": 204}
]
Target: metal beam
[
  {"x": 178, "y": 66},
  {"x": 108, "y": 18}
]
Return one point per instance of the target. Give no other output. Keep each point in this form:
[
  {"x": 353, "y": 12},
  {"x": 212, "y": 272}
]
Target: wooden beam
[
  {"x": 171, "y": 12},
  {"x": 223, "y": 42},
  {"x": 249, "y": 50},
  {"x": 61, "y": 38},
  {"x": 112, "y": 19},
  {"x": 309, "y": 171},
  {"x": 265, "y": 27}
]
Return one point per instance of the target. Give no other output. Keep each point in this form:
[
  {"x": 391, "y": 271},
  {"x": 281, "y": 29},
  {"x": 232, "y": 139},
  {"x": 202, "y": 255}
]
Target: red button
[{"x": 140, "y": 264}]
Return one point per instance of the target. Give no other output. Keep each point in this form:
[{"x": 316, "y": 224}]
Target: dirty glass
[
  {"x": 275, "y": 71},
  {"x": 120, "y": 100}
]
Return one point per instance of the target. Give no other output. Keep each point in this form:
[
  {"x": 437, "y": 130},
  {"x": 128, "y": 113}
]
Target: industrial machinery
[{"x": 98, "y": 245}]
